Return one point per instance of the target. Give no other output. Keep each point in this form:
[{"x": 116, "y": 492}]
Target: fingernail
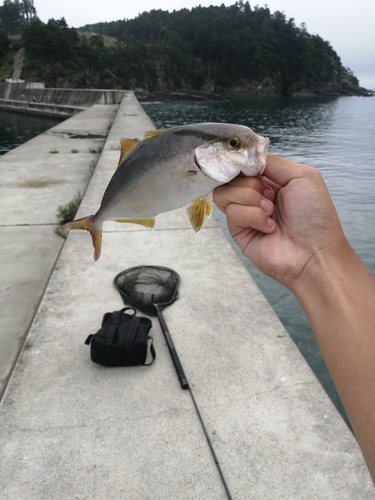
[
  {"x": 271, "y": 223},
  {"x": 269, "y": 194},
  {"x": 266, "y": 205}
]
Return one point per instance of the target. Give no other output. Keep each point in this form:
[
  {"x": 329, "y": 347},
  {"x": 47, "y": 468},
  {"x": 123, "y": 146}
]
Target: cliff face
[
  {"x": 343, "y": 85},
  {"x": 336, "y": 81},
  {"x": 157, "y": 72}
]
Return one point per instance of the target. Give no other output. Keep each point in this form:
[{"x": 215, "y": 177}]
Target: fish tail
[{"x": 88, "y": 224}]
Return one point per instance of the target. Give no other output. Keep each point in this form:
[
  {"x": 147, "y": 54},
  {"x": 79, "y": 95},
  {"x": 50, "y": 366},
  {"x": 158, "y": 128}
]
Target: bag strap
[
  {"x": 130, "y": 338},
  {"x": 131, "y": 332},
  {"x": 89, "y": 338},
  {"x": 112, "y": 329},
  {"x": 123, "y": 313},
  {"x": 110, "y": 335},
  {"x": 152, "y": 351},
  {"x": 117, "y": 317}
]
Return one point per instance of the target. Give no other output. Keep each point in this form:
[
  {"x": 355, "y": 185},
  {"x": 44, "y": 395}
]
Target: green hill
[{"x": 203, "y": 50}]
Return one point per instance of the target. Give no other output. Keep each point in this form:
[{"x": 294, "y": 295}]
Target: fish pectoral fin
[
  {"x": 142, "y": 222},
  {"x": 87, "y": 224},
  {"x": 127, "y": 145},
  {"x": 152, "y": 133},
  {"x": 198, "y": 211}
]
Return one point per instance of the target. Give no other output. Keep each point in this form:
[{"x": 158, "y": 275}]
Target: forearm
[
  {"x": 306, "y": 250},
  {"x": 338, "y": 297}
]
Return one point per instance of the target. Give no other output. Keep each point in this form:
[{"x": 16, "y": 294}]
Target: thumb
[{"x": 282, "y": 171}]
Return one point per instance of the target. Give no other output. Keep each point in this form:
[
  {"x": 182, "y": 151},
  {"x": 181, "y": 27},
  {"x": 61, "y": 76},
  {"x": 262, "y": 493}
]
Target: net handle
[{"x": 172, "y": 351}]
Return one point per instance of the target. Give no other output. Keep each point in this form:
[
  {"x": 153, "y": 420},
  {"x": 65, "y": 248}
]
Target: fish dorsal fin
[
  {"x": 142, "y": 222},
  {"x": 198, "y": 211},
  {"x": 152, "y": 133},
  {"x": 127, "y": 145}
]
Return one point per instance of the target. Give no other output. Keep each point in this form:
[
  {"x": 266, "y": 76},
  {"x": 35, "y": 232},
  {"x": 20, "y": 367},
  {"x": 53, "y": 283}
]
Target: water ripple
[{"x": 335, "y": 135}]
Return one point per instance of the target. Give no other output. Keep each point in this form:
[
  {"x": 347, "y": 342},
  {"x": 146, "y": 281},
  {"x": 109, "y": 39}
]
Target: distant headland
[{"x": 202, "y": 53}]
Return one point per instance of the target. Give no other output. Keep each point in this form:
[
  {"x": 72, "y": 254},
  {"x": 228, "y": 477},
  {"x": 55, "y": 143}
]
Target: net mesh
[{"x": 144, "y": 286}]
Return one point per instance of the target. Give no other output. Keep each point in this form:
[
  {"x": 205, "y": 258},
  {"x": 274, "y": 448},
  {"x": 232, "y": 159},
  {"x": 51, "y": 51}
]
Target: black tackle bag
[{"x": 122, "y": 340}]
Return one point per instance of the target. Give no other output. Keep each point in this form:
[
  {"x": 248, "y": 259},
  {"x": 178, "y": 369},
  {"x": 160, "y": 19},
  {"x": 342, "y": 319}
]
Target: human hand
[
  {"x": 282, "y": 220},
  {"x": 292, "y": 233}
]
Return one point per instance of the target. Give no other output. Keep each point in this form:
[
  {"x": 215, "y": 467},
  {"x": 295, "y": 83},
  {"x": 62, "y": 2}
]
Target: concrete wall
[
  {"x": 30, "y": 98},
  {"x": 40, "y": 108},
  {"x": 66, "y": 97}
]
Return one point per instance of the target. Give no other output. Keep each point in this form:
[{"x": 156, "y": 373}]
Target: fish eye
[{"x": 234, "y": 143}]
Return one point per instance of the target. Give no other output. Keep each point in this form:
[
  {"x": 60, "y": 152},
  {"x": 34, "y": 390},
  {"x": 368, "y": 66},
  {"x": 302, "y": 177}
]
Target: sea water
[
  {"x": 335, "y": 135},
  {"x": 16, "y": 128}
]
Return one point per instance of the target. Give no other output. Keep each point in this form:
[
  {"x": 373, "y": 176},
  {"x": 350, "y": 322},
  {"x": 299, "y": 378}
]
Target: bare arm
[{"x": 292, "y": 233}]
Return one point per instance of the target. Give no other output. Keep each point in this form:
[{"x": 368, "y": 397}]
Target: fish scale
[{"x": 170, "y": 169}]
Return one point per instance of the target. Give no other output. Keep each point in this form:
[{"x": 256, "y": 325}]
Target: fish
[{"x": 174, "y": 168}]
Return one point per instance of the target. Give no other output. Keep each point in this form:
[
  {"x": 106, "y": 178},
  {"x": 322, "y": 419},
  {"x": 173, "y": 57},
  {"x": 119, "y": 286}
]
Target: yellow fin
[
  {"x": 209, "y": 205},
  {"x": 87, "y": 224},
  {"x": 126, "y": 146},
  {"x": 152, "y": 133},
  {"x": 142, "y": 222},
  {"x": 198, "y": 211}
]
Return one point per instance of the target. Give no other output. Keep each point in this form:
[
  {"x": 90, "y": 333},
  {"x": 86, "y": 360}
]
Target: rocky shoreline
[
  {"x": 332, "y": 90},
  {"x": 335, "y": 91}
]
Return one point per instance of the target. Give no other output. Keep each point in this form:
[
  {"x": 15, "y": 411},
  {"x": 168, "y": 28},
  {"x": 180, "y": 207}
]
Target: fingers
[
  {"x": 241, "y": 180},
  {"x": 245, "y": 191},
  {"x": 245, "y": 206},
  {"x": 270, "y": 184},
  {"x": 240, "y": 217},
  {"x": 248, "y": 202}
]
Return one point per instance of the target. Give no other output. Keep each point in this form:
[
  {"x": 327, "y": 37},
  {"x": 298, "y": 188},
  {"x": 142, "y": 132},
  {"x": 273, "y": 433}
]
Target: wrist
[{"x": 327, "y": 276}]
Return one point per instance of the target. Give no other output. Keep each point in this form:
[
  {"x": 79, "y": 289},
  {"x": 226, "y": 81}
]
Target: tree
[
  {"x": 14, "y": 15},
  {"x": 223, "y": 47},
  {"x": 4, "y": 43},
  {"x": 10, "y": 17},
  {"x": 27, "y": 9}
]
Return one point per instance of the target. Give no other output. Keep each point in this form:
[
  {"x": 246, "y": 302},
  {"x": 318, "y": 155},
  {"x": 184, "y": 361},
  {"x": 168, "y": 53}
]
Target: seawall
[
  {"x": 72, "y": 428},
  {"x": 35, "y": 99}
]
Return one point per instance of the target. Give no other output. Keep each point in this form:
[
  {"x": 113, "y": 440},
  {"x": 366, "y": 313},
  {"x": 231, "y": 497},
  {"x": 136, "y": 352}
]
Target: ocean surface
[
  {"x": 335, "y": 135},
  {"x": 16, "y": 128}
]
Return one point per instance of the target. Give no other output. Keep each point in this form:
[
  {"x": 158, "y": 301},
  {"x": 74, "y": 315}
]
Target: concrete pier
[
  {"x": 36, "y": 178},
  {"x": 72, "y": 429},
  {"x": 33, "y": 98}
]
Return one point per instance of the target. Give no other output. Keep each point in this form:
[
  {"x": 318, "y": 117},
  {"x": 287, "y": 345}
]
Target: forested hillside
[{"x": 215, "y": 49}]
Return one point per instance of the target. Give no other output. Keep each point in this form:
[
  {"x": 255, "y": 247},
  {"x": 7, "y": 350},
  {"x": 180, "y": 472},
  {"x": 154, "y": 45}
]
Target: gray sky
[{"x": 347, "y": 25}]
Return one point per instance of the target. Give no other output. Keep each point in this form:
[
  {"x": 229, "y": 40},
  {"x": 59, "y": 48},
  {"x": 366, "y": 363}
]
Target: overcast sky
[{"x": 348, "y": 26}]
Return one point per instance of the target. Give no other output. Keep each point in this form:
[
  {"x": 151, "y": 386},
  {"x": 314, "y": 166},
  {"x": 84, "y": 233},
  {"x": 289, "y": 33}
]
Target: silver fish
[{"x": 174, "y": 168}]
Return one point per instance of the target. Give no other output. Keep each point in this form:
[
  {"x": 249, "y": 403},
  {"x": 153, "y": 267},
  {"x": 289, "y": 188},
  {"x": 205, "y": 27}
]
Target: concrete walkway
[
  {"x": 35, "y": 179},
  {"x": 72, "y": 429}
]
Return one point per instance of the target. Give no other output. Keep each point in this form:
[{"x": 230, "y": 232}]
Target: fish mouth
[{"x": 257, "y": 157}]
